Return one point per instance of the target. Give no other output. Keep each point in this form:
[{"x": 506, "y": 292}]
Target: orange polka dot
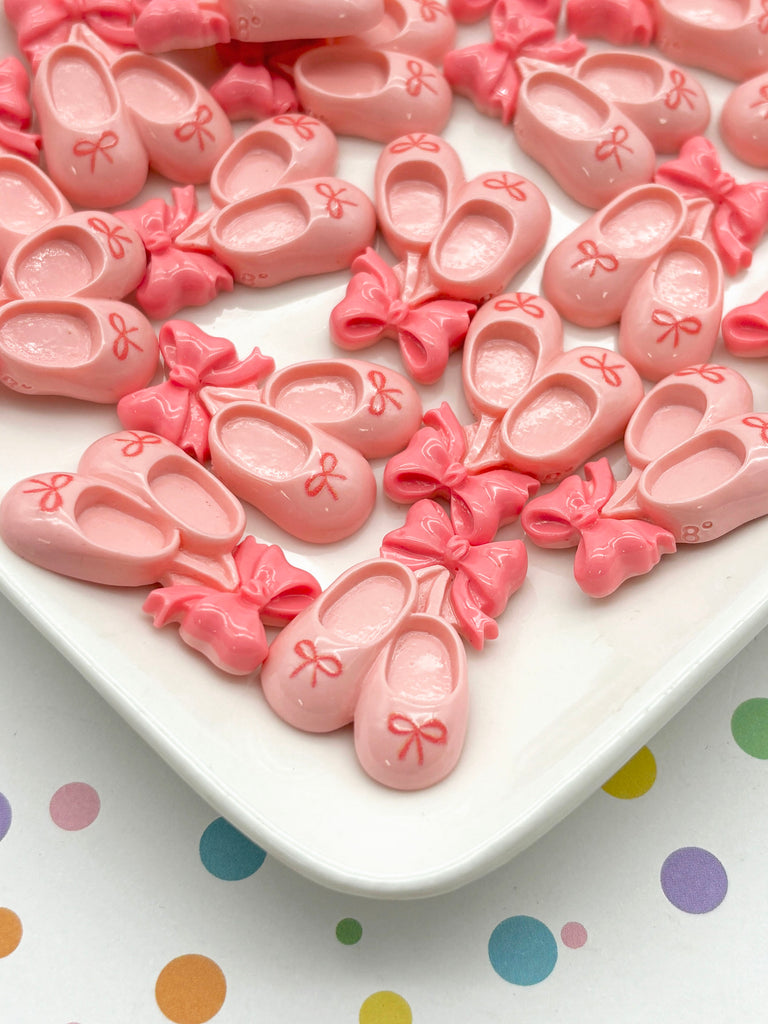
[
  {"x": 191, "y": 989},
  {"x": 10, "y": 931}
]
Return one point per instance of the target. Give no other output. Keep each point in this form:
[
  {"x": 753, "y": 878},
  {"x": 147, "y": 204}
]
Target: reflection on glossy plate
[{"x": 570, "y": 690}]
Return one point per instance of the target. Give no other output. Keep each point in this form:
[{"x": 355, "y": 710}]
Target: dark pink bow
[
  {"x": 432, "y": 466},
  {"x": 228, "y": 626},
  {"x": 608, "y": 551},
  {"x": 42, "y": 24},
  {"x": 372, "y": 309},
  {"x": 484, "y": 576},
  {"x": 193, "y": 360},
  {"x": 175, "y": 277},
  {"x": 741, "y": 211}
]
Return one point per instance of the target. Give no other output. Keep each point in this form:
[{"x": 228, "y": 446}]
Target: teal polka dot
[
  {"x": 522, "y": 950},
  {"x": 349, "y": 931},
  {"x": 227, "y": 853}
]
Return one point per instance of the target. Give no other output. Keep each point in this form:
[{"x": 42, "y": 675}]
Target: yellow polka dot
[
  {"x": 190, "y": 989},
  {"x": 635, "y": 778},
  {"x": 10, "y": 931},
  {"x": 385, "y": 1008}
]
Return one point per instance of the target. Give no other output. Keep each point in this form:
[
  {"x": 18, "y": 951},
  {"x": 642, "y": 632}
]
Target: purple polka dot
[
  {"x": 5, "y": 816},
  {"x": 74, "y": 806},
  {"x": 694, "y": 880},
  {"x": 573, "y": 935}
]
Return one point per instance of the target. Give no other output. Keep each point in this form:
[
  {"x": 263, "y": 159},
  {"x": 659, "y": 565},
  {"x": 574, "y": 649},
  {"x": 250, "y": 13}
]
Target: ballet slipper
[
  {"x": 729, "y": 41},
  {"x": 743, "y": 121},
  {"x": 421, "y": 28},
  {"x": 30, "y": 201}
]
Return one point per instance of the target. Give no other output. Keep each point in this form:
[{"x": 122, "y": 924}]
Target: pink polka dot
[
  {"x": 573, "y": 934},
  {"x": 74, "y": 806}
]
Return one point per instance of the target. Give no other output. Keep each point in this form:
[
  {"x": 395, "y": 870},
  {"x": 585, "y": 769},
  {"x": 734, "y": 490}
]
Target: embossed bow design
[
  {"x": 175, "y": 277},
  {"x": 483, "y": 576},
  {"x": 431, "y": 466},
  {"x": 487, "y": 72},
  {"x": 228, "y": 626},
  {"x": 193, "y": 360},
  {"x": 741, "y": 211},
  {"x": 42, "y": 24},
  {"x": 372, "y": 309},
  {"x": 608, "y": 551}
]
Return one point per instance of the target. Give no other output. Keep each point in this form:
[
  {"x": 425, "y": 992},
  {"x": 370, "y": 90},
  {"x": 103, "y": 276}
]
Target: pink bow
[
  {"x": 228, "y": 626},
  {"x": 175, "y": 277},
  {"x": 431, "y": 465},
  {"x": 741, "y": 211},
  {"x": 42, "y": 24},
  {"x": 193, "y": 360},
  {"x": 372, "y": 309},
  {"x": 609, "y": 551},
  {"x": 484, "y": 576}
]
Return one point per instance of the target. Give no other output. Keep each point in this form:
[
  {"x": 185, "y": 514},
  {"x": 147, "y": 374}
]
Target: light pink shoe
[
  {"x": 29, "y": 199},
  {"x": 744, "y": 121},
  {"x": 309, "y": 483},
  {"x": 182, "y": 127},
  {"x": 316, "y": 666},
  {"x": 510, "y": 342},
  {"x": 209, "y": 519},
  {"x": 283, "y": 149},
  {"x": 498, "y": 222},
  {"x": 372, "y": 94},
  {"x": 711, "y": 483},
  {"x": 308, "y": 227},
  {"x": 577, "y": 407},
  {"x": 668, "y": 104},
  {"x": 88, "y": 254},
  {"x": 672, "y": 317},
  {"x": 96, "y": 351},
  {"x": 589, "y": 276},
  {"x": 589, "y": 146},
  {"x": 93, "y": 150},
  {"x": 86, "y": 528},
  {"x": 410, "y": 726},
  {"x": 421, "y": 28},
  {"x": 730, "y": 40},
  {"x": 369, "y": 407}
]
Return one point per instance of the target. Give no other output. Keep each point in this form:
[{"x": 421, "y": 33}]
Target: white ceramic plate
[{"x": 570, "y": 690}]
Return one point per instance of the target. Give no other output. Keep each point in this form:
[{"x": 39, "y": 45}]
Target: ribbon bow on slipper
[
  {"x": 175, "y": 277},
  {"x": 483, "y": 576},
  {"x": 372, "y": 309},
  {"x": 431, "y": 465},
  {"x": 608, "y": 551},
  {"x": 193, "y": 360},
  {"x": 228, "y": 626}
]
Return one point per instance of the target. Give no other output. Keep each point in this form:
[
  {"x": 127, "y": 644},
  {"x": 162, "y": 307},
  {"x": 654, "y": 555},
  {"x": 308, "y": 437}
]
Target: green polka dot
[
  {"x": 749, "y": 726},
  {"x": 349, "y": 931}
]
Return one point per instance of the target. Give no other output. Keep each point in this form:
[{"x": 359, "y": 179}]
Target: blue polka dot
[
  {"x": 227, "y": 853},
  {"x": 522, "y": 950},
  {"x": 5, "y": 816}
]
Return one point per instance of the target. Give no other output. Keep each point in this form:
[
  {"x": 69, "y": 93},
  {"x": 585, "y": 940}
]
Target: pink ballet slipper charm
[
  {"x": 741, "y": 210},
  {"x": 729, "y": 41},
  {"x": 409, "y": 733},
  {"x": 578, "y": 406},
  {"x": 228, "y": 626},
  {"x": 619, "y": 22},
  {"x": 164, "y": 25},
  {"x": 317, "y": 664},
  {"x": 481, "y": 578},
  {"x": 421, "y": 28},
  {"x": 743, "y": 121},
  {"x": 309, "y": 483},
  {"x": 371, "y": 408},
  {"x": 31, "y": 196},
  {"x": 175, "y": 277},
  {"x": 249, "y": 93},
  {"x": 372, "y": 309},
  {"x": 43, "y": 24},
  {"x": 193, "y": 360},
  {"x": 87, "y": 254},
  {"x": 608, "y": 551},
  {"x": 432, "y": 466},
  {"x": 745, "y": 329},
  {"x": 96, "y": 351}
]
